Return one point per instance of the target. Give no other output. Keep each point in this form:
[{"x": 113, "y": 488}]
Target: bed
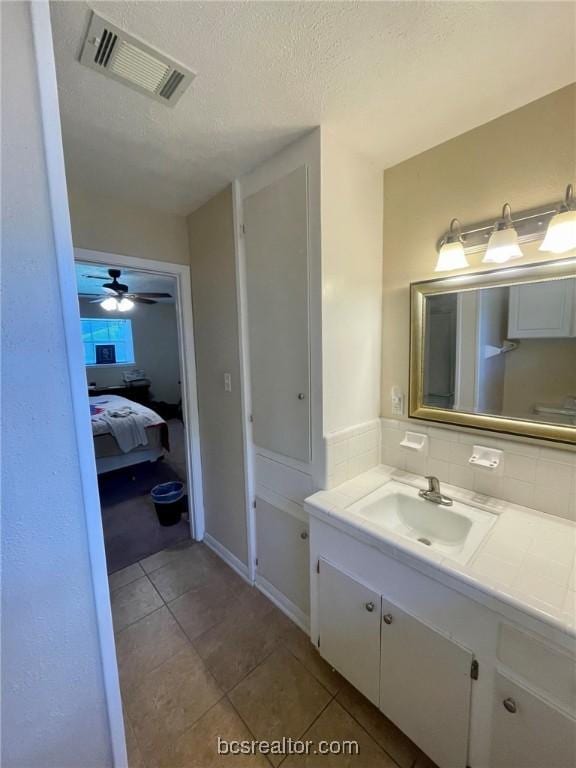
[{"x": 109, "y": 455}]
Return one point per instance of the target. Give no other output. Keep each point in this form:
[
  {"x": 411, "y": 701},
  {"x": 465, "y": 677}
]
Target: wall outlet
[
  {"x": 397, "y": 397},
  {"x": 227, "y": 382}
]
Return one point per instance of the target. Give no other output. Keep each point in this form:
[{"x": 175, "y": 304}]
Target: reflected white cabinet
[
  {"x": 543, "y": 310},
  {"x": 425, "y": 678},
  {"x": 349, "y": 628},
  {"x": 276, "y": 243},
  {"x": 527, "y": 732},
  {"x": 283, "y": 553}
]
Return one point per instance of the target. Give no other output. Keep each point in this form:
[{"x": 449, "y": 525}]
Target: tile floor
[{"x": 202, "y": 654}]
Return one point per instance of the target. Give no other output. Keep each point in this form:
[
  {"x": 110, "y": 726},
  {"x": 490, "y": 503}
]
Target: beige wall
[
  {"x": 526, "y": 158},
  {"x": 112, "y": 226},
  {"x": 211, "y": 233},
  {"x": 539, "y": 371},
  {"x": 155, "y": 337}
]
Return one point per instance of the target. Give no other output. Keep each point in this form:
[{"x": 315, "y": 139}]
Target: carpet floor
[{"x": 131, "y": 527}]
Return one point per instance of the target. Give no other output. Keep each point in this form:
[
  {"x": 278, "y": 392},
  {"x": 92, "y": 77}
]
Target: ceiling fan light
[
  {"x": 125, "y": 305},
  {"x": 109, "y": 304},
  {"x": 561, "y": 233},
  {"x": 451, "y": 256}
]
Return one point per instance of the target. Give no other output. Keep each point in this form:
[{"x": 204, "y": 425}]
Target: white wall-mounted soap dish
[
  {"x": 487, "y": 458},
  {"x": 415, "y": 441}
]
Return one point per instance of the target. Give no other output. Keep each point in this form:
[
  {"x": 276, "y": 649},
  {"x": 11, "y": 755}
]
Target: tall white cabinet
[{"x": 310, "y": 227}]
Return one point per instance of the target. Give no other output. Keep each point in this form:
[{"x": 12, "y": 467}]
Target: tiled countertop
[{"x": 526, "y": 563}]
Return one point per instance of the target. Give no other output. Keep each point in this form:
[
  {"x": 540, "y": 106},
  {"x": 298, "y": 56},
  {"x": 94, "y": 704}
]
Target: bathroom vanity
[{"x": 438, "y": 616}]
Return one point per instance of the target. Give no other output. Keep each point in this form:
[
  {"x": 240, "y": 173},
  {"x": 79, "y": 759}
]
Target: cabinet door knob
[
  {"x": 301, "y": 396},
  {"x": 510, "y": 706},
  {"x": 369, "y": 606},
  {"x": 304, "y": 535},
  {"x": 388, "y": 618}
]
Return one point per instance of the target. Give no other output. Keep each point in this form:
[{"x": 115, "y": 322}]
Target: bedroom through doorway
[{"x": 134, "y": 359}]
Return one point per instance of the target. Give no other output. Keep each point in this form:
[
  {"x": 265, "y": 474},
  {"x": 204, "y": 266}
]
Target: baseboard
[
  {"x": 235, "y": 563},
  {"x": 281, "y": 601}
]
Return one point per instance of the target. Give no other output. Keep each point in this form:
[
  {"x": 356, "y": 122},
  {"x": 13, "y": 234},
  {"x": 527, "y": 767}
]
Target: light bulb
[
  {"x": 109, "y": 304},
  {"x": 451, "y": 254},
  {"x": 561, "y": 232},
  {"x": 124, "y": 305},
  {"x": 503, "y": 244}
]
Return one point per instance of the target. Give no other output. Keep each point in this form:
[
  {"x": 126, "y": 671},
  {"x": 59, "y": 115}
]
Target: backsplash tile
[
  {"x": 351, "y": 452},
  {"x": 533, "y": 476}
]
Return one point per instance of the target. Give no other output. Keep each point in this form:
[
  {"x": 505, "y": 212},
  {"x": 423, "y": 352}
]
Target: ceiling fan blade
[
  {"x": 152, "y": 295},
  {"x": 96, "y": 277},
  {"x": 139, "y": 300}
]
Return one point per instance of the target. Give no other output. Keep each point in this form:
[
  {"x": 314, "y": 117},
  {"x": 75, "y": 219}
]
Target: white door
[
  {"x": 284, "y": 553},
  {"x": 349, "y": 628},
  {"x": 527, "y": 732},
  {"x": 276, "y": 239},
  {"x": 425, "y": 686}
]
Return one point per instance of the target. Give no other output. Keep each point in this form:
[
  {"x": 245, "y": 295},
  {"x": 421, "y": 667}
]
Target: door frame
[{"x": 187, "y": 360}]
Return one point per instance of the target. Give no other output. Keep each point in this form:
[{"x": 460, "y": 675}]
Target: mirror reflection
[{"x": 504, "y": 351}]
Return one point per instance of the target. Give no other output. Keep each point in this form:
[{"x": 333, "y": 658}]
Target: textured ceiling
[
  {"x": 391, "y": 78},
  {"x": 134, "y": 279}
]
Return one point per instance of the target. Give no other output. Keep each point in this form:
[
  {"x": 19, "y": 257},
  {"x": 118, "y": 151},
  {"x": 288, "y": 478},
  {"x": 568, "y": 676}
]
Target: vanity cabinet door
[
  {"x": 284, "y": 553},
  {"x": 349, "y": 628},
  {"x": 425, "y": 686},
  {"x": 527, "y": 732},
  {"x": 542, "y": 310}
]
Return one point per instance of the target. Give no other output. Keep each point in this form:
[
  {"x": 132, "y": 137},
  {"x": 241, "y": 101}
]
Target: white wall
[
  {"x": 53, "y": 701},
  {"x": 155, "y": 337},
  {"x": 351, "y": 285}
]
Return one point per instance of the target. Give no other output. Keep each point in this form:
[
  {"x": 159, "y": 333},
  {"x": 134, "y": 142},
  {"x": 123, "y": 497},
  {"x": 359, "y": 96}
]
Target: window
[{"x": 107, "y": 341}]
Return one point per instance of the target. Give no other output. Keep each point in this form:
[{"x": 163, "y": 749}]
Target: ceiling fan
[{"x": 118, "y": 295}]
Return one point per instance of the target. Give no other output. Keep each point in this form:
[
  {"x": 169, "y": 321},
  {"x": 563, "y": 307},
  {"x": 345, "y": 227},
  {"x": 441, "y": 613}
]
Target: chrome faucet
[{"x": 433, "y": 493}]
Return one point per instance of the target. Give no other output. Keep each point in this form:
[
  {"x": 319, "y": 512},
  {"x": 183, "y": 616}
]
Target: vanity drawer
[{"x": 543, "y": 666}]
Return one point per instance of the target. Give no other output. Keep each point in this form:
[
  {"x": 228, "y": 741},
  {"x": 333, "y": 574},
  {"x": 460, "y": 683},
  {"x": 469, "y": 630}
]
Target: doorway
[{"x": 148, "y": 369}]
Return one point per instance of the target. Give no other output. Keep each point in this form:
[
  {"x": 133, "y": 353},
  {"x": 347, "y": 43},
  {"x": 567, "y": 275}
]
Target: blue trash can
[{"x": 170, "y": 502}]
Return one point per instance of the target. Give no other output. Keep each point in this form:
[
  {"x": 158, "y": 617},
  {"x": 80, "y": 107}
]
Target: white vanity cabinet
[
  {"x": 542, "y": 310},
  {"x": 527, "y": 731},
  {"x": 349, "y": 628},
  {"x": 425, "y": 678},
  {"x": 412, "y": 672},
  {"x": 472, "y": 686}
]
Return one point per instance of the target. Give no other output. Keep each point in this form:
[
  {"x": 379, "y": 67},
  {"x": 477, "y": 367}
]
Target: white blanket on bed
[{"x": 129, "y": 430}]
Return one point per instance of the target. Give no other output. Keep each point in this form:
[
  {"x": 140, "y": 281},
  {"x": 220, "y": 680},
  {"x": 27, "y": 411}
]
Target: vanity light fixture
[
  {"x": 451, "y": 254},
  {"x": 561, "y": 232},
  {"x": 503, "y": 244}
]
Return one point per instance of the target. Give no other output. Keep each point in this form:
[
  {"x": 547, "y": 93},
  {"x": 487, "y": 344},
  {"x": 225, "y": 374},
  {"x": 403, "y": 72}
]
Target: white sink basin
[{"x": 455, "y": 532}]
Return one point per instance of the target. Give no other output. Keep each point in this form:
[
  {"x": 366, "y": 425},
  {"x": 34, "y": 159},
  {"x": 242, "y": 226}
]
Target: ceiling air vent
[{"x": 125, "y": 58}]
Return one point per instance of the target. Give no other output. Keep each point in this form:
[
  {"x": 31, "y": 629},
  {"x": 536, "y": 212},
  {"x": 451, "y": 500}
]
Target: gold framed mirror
[{"x": 496, "y": 350}]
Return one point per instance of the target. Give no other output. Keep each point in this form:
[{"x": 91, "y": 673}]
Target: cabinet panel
[
  {"x": 283, "y": 553},
  {"x": 349, "y": 626},
  {"x": 527, "y": 732},
  {"x": 276, "y": 241},
  {"x": 542, "y": 310},
  {"x": 425, "y": 686}
]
